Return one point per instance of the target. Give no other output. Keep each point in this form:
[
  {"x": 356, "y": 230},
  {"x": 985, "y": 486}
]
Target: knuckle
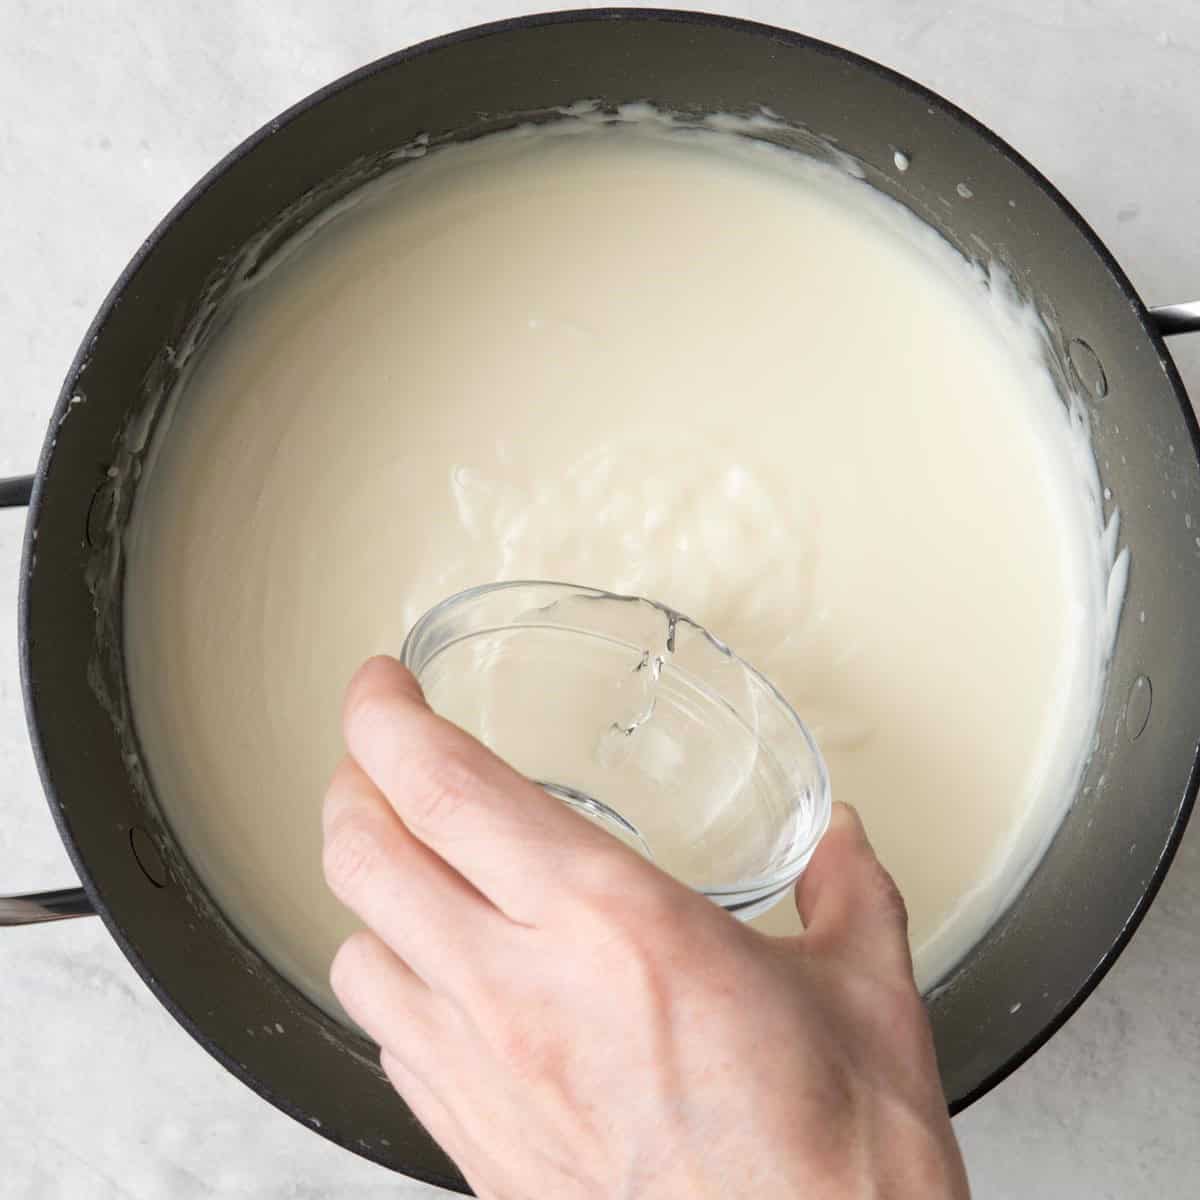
[
  {"x": 641, "y": 928},
  {"x": 515, "y": 1043},
  {"x": 350, "y": 857},
  {"x": 661, "y": 907},
  {"x": 653, "y": 915},
  {"x": 444, "y": 782},
  {"x": 889, "y": 1006},
  {"x": 612, "y": 877},
  {"x": 530, "y": 1053}
]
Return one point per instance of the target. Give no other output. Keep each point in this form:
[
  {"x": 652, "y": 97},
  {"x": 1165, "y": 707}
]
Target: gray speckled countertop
[{"x": 109, "y": 110}]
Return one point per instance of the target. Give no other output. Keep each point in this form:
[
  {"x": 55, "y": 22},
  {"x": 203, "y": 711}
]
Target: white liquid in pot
[{"x": 684, "y": 366}]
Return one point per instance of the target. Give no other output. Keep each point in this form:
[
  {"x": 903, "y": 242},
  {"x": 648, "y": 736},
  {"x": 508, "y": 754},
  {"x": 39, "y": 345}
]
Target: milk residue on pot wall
[{"x": 662, "y": 356}]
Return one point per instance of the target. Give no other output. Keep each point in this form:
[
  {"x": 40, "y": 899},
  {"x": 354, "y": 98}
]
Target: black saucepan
[{"x": 1109, "y": 857}]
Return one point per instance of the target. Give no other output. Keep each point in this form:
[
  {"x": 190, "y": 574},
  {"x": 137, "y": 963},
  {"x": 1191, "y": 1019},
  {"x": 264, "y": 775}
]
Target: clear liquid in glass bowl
[{"x": 639, "y": 719}]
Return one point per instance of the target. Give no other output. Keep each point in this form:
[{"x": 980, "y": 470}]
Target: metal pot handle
[
  {"x": 1177, "y": 318},
  {"x": 36, "y": 907}
]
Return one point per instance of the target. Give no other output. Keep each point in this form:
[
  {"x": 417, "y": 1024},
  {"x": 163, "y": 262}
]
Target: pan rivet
[
  {"x": 1087, "y": 368},
  {"x": 146, "y": 854},
  {"x": 1137, "y": 707}
]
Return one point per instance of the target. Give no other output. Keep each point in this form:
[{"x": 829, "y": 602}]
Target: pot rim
[{"x": 387, "y": 62}]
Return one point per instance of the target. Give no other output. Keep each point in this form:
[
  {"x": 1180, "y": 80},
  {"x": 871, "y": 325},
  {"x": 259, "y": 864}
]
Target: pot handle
[
  {"x": 15, "y": 492},
  {"x": 1177, "y": 318},
  {"x": 36, "y": 907}
]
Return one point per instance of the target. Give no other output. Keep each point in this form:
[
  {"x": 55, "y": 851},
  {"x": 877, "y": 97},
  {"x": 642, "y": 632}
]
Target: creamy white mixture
[{"x": 686, "y": 366}]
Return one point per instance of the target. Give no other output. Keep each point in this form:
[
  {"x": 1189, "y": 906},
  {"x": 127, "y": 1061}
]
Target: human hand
[{"x": 569, "y": 1022}]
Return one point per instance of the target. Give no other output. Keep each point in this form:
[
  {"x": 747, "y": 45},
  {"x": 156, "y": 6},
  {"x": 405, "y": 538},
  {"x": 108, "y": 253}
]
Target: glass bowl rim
[{"x": 758, "y": 888}]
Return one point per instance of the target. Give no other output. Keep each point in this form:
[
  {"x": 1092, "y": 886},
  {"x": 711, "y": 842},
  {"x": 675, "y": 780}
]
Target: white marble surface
[{"x": 108, "y": 112}]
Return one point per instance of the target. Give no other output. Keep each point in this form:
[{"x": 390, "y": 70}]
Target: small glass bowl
[{"x": 639, "y": 719}]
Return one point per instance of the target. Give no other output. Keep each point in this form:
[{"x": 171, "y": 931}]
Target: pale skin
[{"x": 569, "y": 1022}]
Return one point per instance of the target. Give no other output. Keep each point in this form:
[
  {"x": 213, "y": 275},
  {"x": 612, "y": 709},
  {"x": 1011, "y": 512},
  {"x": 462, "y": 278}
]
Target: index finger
[{"x": 503, "y": 833}]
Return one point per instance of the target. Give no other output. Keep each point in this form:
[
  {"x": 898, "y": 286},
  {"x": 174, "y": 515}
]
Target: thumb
[{"x": 849, "y": 903}]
